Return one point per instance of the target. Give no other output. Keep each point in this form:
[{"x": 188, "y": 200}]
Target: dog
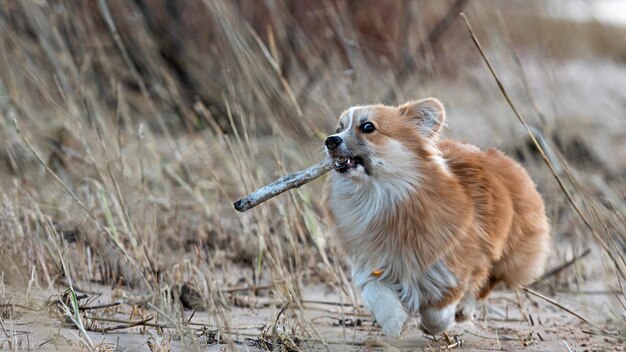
[{"x": 429, "y": 226}]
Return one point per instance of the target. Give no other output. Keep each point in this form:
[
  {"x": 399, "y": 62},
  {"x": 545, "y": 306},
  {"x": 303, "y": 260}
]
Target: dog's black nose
[{"x": 333, "y": 142}]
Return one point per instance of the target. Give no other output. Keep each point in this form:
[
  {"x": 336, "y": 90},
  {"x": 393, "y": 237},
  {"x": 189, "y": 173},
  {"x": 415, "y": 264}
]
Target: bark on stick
[{"x": 284, "y": 184}]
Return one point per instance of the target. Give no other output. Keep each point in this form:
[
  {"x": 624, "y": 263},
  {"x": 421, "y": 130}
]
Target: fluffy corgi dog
[{"x": 429, "y": 226}]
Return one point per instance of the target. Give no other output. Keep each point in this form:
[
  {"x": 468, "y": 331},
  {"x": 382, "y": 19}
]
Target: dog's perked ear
[{"x": 427, "y": 114}]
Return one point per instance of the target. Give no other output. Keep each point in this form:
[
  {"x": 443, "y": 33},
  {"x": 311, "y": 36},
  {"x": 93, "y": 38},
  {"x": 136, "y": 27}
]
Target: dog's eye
[
  {"x": 339, "y": 129},
  {"x": 368, "y": 127}
]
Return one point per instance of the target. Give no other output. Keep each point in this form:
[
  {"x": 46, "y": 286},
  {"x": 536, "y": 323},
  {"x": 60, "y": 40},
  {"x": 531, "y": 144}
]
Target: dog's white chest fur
[{"x": 361, "y": 211}]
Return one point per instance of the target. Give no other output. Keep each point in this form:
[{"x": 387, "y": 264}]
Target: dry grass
[{"x": 124, "y": 145}]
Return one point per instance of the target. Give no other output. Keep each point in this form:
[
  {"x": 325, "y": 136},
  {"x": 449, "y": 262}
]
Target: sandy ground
[
  {"x": 508, "y": 321},
  {"x": 501, "y": 326}
]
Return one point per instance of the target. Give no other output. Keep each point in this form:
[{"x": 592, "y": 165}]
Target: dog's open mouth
[{"x": 345, "y": 164}]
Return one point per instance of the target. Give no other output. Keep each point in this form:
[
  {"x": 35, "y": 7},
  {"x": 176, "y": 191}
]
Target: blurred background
[{"x": 128, "y": 128}]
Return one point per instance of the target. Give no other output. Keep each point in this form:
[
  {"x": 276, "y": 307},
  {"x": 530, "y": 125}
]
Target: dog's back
[{"x": 508, "y": 210}]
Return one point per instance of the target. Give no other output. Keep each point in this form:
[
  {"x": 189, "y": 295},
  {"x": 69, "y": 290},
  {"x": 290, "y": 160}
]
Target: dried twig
[
  {"x": 496, "y": 337},
  {"x": 246, "y": 288},
  {"x": 101, "y": 306},
  {"x": 564, "y": 266},
  {"x": 127, "y": 326},
  {"x": 130, "y": 322},
  {"x": 557, "y": 304},
  {"x": 21, "y": 306},
  {"x": 329, "y": 303},
  {"x": 283, "y": 184}
]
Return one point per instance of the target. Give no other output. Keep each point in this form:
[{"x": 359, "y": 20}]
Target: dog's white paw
[
  {"x": 384, "y": 303},
  {"x": 391, "y": 319},
  {"x": 436, "y": 321}
]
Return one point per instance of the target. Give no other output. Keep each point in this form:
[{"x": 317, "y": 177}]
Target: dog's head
[{"x": 385, "y": 142}]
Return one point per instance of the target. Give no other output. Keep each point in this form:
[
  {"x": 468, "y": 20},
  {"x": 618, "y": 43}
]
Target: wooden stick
[{"x": 284, "y": 184}]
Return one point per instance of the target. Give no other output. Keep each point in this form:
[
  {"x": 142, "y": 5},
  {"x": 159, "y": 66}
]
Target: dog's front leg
[{"x": 386, "y": 307}]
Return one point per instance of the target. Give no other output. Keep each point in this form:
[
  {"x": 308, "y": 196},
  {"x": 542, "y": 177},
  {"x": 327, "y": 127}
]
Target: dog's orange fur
[{"x": 479, "y": 212}]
